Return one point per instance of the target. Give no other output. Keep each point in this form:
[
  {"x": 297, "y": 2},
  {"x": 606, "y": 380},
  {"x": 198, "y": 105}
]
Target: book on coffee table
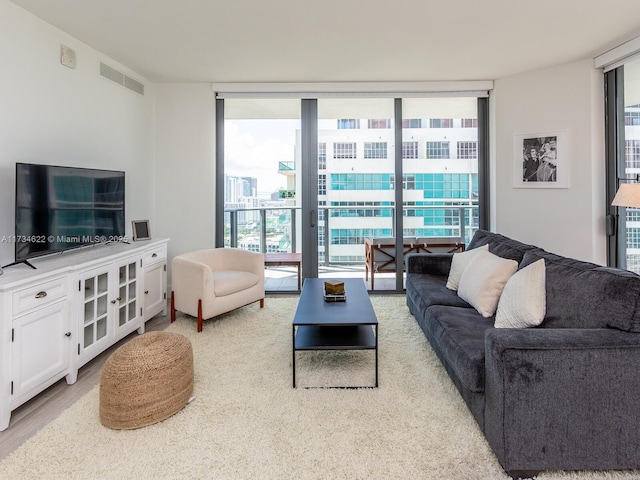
[{"x": 330, "y": 297}]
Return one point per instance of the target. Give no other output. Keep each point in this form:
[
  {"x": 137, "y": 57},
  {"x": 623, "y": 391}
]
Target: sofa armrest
[
  {"x": 192, "y": 280},
  {"x": 500, "y": 340},
  {"x": 562, "y": 398},
  {"x": 432, "y": 263}
]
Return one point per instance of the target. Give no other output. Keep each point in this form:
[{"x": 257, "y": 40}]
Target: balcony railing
[
  {"x": 286, "y": 167},
  {"x": 276, "y": 229}
]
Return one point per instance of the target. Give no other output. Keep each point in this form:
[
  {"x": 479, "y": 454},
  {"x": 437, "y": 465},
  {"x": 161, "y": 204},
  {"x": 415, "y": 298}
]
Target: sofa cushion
[
  {"x": 226, "y": 282},
  {"x": 502, "y": 246},
  {"x": 459, "y": 333},
  {"x": 523, "y": 300},
  {"x": 484, "y": 279},
  {"x": 459, "y": 263},
  {"x": 585, "y": 295},
  {"x": 425, "y": 290}
]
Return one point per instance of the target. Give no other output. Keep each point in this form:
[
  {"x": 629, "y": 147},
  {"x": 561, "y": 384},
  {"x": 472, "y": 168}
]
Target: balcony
[
  {"x": 287, "y": 168},
  {"x": 278, "y": 230}
]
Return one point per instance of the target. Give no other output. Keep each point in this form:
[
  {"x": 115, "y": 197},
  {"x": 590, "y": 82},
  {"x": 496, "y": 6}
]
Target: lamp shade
[{"x": 628, "y": 195}]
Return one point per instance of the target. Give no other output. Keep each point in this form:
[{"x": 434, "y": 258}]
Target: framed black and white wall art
[{"x": 541, "y": 160}]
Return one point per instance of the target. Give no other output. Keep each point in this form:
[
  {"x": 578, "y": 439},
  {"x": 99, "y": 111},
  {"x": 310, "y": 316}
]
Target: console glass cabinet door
[
  {"x": 111, "y": 307},
  {"x": 94, "y": 312},
  {"x": 127, "y": 299}
]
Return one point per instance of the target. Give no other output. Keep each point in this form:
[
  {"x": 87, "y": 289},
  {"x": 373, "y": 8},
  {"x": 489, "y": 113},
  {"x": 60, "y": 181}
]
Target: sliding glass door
[
  {"x": 262, "y": 183},
  {"x": 440, "y": 165},
  {"x": 356, "y": 189}
]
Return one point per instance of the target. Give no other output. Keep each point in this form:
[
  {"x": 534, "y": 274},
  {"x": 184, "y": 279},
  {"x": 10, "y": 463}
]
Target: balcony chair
[
  {"x": 208, "y": 283},
  {"x": 380, "y": 253}
]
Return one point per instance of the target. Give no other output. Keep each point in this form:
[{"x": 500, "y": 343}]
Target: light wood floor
[{"x": 30, "y": 417}]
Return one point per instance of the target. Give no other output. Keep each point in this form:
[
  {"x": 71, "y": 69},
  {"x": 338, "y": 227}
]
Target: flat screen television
[{"x": 59, "y": 208}]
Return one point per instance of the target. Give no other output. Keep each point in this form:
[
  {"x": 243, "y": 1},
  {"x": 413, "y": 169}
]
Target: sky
[{"x": 253, "y": 148}]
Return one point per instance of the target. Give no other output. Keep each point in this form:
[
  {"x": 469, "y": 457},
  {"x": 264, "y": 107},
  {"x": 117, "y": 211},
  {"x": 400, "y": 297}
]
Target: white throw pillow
[
  {"x": 459, "y": 263},
  {"x": 524, "y": 301},
  {"x": 484, "y": 279}
]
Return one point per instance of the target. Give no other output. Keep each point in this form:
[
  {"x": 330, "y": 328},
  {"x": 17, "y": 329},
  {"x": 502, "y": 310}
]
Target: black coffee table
[{"x": 321, "y": 325}]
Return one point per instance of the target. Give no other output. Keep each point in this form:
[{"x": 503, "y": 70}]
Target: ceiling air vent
[{"x": 116, "y": 76}]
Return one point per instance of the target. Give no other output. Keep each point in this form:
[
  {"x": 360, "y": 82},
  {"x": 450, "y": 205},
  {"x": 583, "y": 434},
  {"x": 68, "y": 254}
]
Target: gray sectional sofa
[{"x": 564, "y": 395}]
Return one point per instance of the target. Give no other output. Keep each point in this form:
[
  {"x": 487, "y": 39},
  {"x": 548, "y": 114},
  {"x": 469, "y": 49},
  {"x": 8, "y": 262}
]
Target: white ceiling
[{"x": 342, "y": 40}]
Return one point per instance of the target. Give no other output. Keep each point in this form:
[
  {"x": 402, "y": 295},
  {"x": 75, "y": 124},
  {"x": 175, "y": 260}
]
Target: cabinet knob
[
  {"x": 146, "y": 292},
  {"x": 116, "y": 300},
  {"x": 41, "y": 294},
  {"x": 68, "y": 334},
  {"x": 154, "y": 255}
]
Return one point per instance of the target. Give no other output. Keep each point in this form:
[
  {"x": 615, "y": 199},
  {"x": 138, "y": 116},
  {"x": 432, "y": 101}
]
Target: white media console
[{"x": 73, "y": 306}]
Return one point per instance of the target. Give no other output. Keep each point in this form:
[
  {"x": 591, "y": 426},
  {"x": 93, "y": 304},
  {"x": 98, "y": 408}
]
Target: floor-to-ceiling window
[
  {"x": 632, "y": 158},
  {"x": 369, "y": 156},
  {"x": 623, "y": 158}
]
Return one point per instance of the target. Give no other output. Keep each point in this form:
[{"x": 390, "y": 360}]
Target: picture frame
[
  {"x": 541, "y": 160},
  {"x": 140, "y": 230}
]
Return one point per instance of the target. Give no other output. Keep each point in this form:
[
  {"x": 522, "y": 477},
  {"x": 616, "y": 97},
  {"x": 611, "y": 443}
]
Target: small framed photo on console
[{"x": 140, "y": 230}]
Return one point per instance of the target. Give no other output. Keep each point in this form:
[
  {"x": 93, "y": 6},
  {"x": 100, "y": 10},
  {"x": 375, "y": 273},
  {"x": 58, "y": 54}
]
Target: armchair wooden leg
[
  {"x": 199, "y": 315},
  {"x": 262, "y": 303},
  {"x": 173, "y": 307}
]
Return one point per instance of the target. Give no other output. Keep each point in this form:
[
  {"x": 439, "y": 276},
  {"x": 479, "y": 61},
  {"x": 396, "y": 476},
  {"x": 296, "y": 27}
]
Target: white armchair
[{"x": 207, "y": 283}]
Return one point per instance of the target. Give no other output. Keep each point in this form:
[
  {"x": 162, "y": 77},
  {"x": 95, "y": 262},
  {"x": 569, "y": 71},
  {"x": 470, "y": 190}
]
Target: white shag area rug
[{"x": 247, "y": 422}]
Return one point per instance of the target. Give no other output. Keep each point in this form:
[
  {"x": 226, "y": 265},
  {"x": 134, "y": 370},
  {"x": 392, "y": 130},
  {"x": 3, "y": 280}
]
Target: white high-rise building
[{"x": 356, "y": 183}]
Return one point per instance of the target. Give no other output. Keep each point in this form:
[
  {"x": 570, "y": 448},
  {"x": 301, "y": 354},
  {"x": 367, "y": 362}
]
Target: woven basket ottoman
[{"x": 146, "y": 380}]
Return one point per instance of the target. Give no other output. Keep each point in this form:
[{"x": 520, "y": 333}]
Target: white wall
[
  {"x": 184, "y": 172},
  {"x": 52, "y": 114},
  {"x": 566, "y": 221}
]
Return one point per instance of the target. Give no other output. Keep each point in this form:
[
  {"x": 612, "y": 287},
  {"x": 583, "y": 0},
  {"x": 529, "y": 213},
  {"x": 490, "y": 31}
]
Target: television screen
[{"x": 58, "y": 208}]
